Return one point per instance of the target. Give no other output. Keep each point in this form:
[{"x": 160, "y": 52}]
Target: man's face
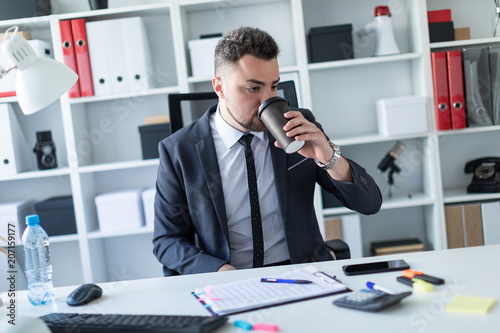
[{"x": 243, "y": 87}]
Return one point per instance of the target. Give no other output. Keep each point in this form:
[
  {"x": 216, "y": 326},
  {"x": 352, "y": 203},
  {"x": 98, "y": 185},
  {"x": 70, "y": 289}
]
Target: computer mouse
[{"x": 84, "y": 294}]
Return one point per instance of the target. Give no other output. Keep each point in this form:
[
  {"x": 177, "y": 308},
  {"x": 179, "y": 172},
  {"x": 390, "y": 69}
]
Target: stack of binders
[
  {"x": 120, "y": 56},
  {"x": 466, "y": 87},
  {"x": 76, "y": 56},
  {"x": 448, "y": 90},
  {"x": 110, "y": 56}
]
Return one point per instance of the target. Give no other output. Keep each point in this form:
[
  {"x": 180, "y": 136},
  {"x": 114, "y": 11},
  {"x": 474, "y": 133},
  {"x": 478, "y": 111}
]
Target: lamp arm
[{"x": 4, "y": 71}]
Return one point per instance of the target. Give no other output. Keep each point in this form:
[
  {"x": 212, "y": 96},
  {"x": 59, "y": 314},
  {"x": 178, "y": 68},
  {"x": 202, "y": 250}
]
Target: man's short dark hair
[{"x": 242, "y": 41}]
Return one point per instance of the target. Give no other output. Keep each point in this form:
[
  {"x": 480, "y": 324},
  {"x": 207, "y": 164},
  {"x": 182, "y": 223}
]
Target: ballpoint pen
[
  {"x": 374, "y": 286},
  {"x": 273, "y": 280}
]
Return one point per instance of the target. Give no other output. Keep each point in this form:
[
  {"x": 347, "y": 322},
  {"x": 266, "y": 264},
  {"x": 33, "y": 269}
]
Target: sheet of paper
[{"x": 252, "y": 294}]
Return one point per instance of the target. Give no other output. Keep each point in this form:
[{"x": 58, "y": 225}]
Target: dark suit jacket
[{"x": 191, "y": 231}]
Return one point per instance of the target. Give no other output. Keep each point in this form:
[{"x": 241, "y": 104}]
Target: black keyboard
[{"x": 110, "y": 323}]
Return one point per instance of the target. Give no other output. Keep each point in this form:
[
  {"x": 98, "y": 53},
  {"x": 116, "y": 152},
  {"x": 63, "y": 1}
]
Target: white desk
[{"x": 470, "y": 271}]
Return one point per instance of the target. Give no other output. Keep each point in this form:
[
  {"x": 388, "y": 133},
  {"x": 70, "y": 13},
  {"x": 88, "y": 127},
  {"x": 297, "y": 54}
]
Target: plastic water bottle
[{"x": 37, "y": 262}]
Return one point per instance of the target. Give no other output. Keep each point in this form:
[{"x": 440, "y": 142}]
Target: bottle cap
[{"x": 32, "y": 220}]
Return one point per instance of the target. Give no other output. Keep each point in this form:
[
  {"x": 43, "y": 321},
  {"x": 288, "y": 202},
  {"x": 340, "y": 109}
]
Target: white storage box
[
  {"x": 12, "y": 219},
  {"x": 16, "y": 154},
  {"x": 148, "y": 200},
  {"x": 8, "y": 82},
  {"x": 401, "y": 115},
  {"x": 202, "y": 56},
  {"x": 120, "y": 210}
]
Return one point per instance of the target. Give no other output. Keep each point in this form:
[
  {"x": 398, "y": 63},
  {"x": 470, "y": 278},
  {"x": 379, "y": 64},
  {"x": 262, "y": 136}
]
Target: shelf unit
[
  {"x": 475, "y": 142},
  {"x": 95, "y": 158}
]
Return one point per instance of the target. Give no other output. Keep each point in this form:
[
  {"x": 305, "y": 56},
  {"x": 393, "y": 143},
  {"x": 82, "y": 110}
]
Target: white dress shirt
[{"x": 232, "y": 164}]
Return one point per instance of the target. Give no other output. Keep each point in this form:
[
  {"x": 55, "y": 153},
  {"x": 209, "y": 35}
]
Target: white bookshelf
[{"x": 341, "y": 94}]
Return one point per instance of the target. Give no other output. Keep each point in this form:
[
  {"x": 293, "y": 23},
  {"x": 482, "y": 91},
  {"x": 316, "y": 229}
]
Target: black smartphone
[{"x": 375, "y": 267}]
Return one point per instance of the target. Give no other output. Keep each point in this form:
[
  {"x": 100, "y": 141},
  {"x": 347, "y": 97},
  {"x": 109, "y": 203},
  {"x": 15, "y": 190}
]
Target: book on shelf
[
  {"x": 472, "y": 224},
  {"x": 396, "y": 246}
]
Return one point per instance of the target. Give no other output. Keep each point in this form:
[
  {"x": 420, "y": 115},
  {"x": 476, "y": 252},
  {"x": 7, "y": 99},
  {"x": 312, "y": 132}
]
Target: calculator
[{"x": 370, "y": 300}]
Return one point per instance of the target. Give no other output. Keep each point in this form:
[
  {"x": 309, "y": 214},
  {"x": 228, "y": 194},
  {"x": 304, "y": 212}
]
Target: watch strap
[{"x": 333, "y": 160}]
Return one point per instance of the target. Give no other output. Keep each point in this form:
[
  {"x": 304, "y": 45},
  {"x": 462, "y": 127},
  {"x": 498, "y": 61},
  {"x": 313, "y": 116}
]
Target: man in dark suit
[{"x": 204, "y": 221}]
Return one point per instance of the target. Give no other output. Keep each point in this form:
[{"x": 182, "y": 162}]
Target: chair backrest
[{"x": 185, "y": 108}]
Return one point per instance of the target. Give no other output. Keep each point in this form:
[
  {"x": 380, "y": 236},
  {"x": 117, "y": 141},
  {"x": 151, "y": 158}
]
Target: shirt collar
[{"x": 231, "y": 135}]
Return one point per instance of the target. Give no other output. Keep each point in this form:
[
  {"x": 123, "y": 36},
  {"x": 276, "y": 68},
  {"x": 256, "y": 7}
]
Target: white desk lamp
[{"x": 40, "y": 81}]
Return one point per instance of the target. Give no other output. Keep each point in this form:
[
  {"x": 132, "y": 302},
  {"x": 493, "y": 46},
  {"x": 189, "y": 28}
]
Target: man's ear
[{"x": 218, "y": 87}]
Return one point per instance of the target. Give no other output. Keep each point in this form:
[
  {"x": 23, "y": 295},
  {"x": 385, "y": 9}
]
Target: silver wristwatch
[{"x": 333, "y": 160}]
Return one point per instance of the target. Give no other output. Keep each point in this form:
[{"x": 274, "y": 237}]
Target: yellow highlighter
[{"x": 417, "y": 284}]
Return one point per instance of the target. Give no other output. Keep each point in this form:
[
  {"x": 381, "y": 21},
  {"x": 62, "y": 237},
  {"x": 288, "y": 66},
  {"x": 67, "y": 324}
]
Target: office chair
[
  {"x": 200, "y": 101},
  {"x": 339, "y": 248},
  {"x": 199, "y": 104}
]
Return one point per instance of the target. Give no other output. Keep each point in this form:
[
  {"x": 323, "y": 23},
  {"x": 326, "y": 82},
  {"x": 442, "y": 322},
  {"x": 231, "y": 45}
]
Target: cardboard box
[
  {"x": 331, "y": 43},
  {"x": 202, "y": 56},
  {"x": 120, "y": 210},
  {"x": 462, "y": 33},
  {"x": 148, "y": 200},
  {"x": 26, "y": 35},
  {"x": 57, "y": 215},
  {"x": 401, "y": 115},
  {"x": 153, "y": 120},
  {"x": 13, "y": 219}
]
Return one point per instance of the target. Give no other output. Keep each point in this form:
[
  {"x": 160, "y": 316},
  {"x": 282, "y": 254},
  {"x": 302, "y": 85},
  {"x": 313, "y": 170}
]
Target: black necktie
[{"x": 258, "y": 242}]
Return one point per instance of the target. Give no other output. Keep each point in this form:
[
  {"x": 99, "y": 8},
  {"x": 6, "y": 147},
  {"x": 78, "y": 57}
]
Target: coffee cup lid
[{"x": 269, "y": 101}]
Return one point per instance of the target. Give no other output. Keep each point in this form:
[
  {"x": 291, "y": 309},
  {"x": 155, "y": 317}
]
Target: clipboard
[{"x": 252, "y": 294}]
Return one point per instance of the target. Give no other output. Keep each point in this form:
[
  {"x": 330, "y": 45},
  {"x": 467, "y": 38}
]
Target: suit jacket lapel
[{"x": 210, "y": 167}]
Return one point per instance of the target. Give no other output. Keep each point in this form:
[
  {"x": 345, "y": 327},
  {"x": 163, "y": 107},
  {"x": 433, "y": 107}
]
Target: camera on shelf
[{"x": 45, "y": 151}]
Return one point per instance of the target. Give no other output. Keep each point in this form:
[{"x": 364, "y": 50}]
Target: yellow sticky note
[{"x": 468, "y": 304}]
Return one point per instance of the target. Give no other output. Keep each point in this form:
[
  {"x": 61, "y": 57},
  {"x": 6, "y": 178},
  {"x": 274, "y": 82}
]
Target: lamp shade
[{"x": 40, "y": 81}]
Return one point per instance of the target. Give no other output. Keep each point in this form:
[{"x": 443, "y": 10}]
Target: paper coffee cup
[{"x": 271, "y": 114}]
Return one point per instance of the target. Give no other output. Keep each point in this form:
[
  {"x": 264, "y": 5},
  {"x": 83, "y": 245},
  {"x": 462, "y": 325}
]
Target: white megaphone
[{"x": 382, "y": 25}]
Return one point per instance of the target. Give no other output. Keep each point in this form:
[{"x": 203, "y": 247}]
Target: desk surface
[{"x": 469, "y": 271}]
